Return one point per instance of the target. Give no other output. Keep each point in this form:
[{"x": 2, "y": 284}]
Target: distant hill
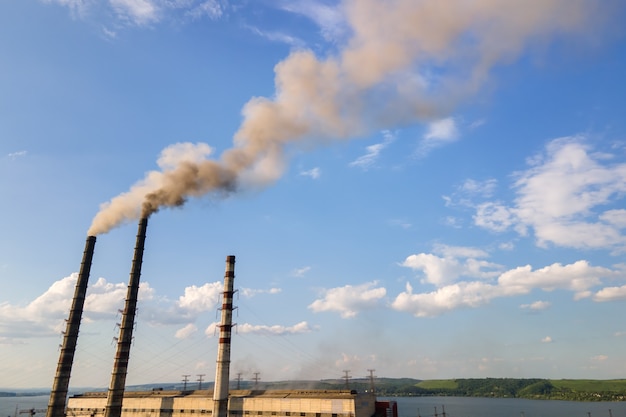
[{"x": 531, "y": 388}]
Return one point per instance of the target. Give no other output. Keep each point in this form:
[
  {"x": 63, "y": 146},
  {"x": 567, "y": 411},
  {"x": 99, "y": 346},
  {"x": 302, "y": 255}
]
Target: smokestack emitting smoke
[
  {"x": 405, "y": 61},
  {"x": 222, "y": 370},
  {"x": 58, "y": 395},
  {"x": 120, "y": 366}
]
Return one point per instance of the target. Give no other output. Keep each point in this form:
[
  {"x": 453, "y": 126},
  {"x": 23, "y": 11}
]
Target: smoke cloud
[{"x": 405, "y": 61}]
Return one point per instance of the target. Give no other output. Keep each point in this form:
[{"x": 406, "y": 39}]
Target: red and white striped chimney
[{"x": 222, "y": 371}]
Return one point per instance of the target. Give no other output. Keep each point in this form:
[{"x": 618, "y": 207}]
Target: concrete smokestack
[
  {"x": 120, "y": 367},
  {"x": 220, "y": 392},
  {"x": 58, "y": 395}
]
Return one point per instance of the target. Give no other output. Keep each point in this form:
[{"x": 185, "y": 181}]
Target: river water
[
  {"x": 504, "y": 407},
  {"x": 8, "y": 405},
  {"x": 425, "y": 407}
]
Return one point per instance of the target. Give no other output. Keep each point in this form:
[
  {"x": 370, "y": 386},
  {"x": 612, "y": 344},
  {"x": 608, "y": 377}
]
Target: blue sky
[{"x": 427, "y": 189}]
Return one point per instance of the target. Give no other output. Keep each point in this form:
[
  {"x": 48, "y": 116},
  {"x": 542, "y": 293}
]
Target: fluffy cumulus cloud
[
  {"x": 200, "y": 299},
  {"x": 449, "y": 263},
  {"x": 567, "y": 198},
  {"x": 46, "y": 313},
  {"x": 349, "y": 300},
  {"x": 264, "y": 330},
  {"x": 461, "y": 280},
  {"x": 275, "y": 330},
  {"x": 611, "y": 294}
]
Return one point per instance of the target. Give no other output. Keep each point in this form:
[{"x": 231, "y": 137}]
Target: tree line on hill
[
  {"x": 532, "y": 388},
  {"x": 529, "y": 388}
]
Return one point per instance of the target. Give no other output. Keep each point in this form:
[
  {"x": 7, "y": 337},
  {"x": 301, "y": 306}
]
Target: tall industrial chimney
[
  {"x": 58, "y": 395},
  {"x": 220, "y": 391},
  {"x": 120, "y": 366}
]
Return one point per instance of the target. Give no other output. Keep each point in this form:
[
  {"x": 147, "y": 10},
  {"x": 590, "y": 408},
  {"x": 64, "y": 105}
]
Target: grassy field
[
  {"x": 438, "y": 384},
  {"x": 590, "y": 385}
]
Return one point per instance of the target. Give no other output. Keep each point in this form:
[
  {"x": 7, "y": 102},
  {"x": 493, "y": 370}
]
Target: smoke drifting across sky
[{"x": 422, "y": 57}]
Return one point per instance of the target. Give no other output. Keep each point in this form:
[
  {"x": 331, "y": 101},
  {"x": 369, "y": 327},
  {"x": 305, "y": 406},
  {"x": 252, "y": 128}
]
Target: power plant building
[
  {"x": 219, "y": 402},
  {"x": 279, "y": 403}
]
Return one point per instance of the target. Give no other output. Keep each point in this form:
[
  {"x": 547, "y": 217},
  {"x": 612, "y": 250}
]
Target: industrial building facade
[{"x": 279, "y": 403}]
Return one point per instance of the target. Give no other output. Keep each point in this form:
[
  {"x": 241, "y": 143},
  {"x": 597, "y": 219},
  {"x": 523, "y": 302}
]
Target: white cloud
[
  {"x": 537, "y": 305},
  {"x": 610, "y": 294},
  {"x": 459, "y": 251},
  {"x": 477, "y": 123},
  {"x": 439, "y": 133},
  {"x": 300, "y": 272},
  {"x": 45, "y": 314},
  {"x": 275, "y": 330},
  {"x": 442, "y": 129},
  {"x": 349, "y": 300},
  {"x": 615, "y": 217},
  {"x": 186, "y": 332},
  {"x": 600, "y": 358},
  {"x": 443, "y": 270},
  {"x": 546, "y": 339},
  {"x": 108, "y": 33},
  {"x": 313, "y": 173},
  {"x": 373, "y": 152},
  {"x": 200, "y": 299},
  {"x": 212, "y": 329},
  {"x": 146, "y": 12},
  {"x": 404, "y": 224},
  {"x": 444, "y": 299},
  {"x": 210, "y": 8},
  {"x": 484, "y": 188},
  {"x": 15, "y": 155},
  {"x": 564, "y": 197},
  {"x": 251, "y": 292},
  {"x": 279, "y": 37},
  {"x": 494, "y": 216},
  {"x": 578, "y": 277},
  {"x": 330, "y": 19},
  {"x": 139, "y": 12},
  {"x": 77, "y": 7}
]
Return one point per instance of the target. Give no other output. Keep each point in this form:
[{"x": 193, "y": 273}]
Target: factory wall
[{"x": 240, "y": 403}]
